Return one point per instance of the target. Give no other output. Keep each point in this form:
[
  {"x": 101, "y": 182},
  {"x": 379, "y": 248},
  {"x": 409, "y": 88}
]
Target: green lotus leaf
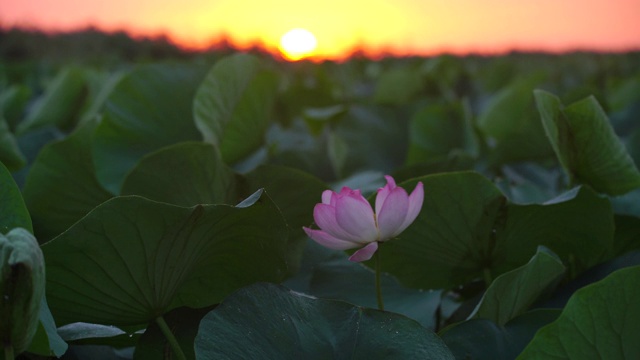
[
  {"x": 467, "y": 228},
  {"x": 148, "y": 109},
  {"x": 267, "y": 321},
  {"x": 232, "y": 107},
  {"x": 513, "y": 292},
  {"x": 598, "y": 322},
  {"x": 130, "y": 260},
  {"x": 61, "y": 186},
  {"x": 586, "y": 145},
  {"x": 13, "y": 211}
]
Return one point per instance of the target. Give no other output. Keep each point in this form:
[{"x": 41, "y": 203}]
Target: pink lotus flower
[{"x": 347, "y": 221}]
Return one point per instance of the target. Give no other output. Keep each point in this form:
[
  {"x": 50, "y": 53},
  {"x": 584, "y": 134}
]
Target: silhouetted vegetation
[
  {"x": 96, "y": 47},
  {"x": 88, "y": 45}
]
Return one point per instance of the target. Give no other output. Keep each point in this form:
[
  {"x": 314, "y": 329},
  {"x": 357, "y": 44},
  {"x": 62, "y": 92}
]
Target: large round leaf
[
  {"x": 10, "y": 154},
  {"x": 150, "y": 108},
  {"x": 100, "y": 85},
  {"x": 232, "y": 107},
  {"x": 13, "y": 211},
  {"x": 196, "y": 175},
  {"x": 296, "y": 147},
  {"x": 60, "y": 103},
  {"x": 30, "y": 144},
  {"x": 577, "y": 225},
  {"x": 62, "y": 186},
  {"x": 586, "y": 145},
  {"x": 266, "y": 321},
  {"x": 398, "y": 86},
  {"x": 295, "y": 192},
  {"x": 466, "y": 227},
  {"x": 13, "y": 99},
  {"x": 510, "y": 126},
  {"x": 438, "y": 129},
  {"x": 132, "y": 259},
  {"x": 599, "y": 322},
  {"x": 511, "y": 293},
  {"x": 377, "y": 138},
  {"x": 450, "y": 241}
]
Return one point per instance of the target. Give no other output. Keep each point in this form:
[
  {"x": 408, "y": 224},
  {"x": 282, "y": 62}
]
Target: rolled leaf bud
[{"x": 22, "y": 285}]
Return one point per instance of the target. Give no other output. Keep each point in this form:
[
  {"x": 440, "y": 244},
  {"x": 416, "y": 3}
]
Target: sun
[{"x": 297, "y": 44}]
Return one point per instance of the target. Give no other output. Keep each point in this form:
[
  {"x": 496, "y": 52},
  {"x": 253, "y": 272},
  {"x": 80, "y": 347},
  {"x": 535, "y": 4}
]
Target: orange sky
[{"x": 402, "y": 26}]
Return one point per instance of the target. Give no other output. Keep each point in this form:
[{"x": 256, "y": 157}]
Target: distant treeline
[{"x": 93, "y": 46}]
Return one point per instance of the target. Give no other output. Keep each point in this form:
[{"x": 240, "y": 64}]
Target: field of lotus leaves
[{"x": 156, "y": 210}]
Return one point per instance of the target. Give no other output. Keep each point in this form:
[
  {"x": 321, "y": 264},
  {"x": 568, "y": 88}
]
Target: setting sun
[
  {"x": 372, "y": 28},
  {"x": 297, "y": 44}
]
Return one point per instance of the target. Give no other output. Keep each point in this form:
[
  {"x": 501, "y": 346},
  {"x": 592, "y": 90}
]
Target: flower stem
[
  {"x": 8, "y": 351},
  {"x": 173, "y": 342},
  {"x": 378, "y": 287}
]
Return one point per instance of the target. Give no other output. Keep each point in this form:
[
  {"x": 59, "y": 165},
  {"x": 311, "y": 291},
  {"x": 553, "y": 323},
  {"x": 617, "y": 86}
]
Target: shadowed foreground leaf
[
  {"x": 467, "y": 228},
  {"x": 600, "y": 321},
  {"x": 131, "y": 259},
  {"x": 61, "y": 186},
  {"x": 197, "y": 176},
  {"x": 266, "y": 321}
]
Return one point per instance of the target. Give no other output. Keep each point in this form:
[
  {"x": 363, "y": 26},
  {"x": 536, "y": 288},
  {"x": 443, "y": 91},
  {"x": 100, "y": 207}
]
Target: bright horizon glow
[
  {"x": 398, "y": 27},
  {"x": 297, "y": 44}
]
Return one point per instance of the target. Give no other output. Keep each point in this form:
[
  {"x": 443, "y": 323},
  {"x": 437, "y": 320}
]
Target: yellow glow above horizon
[
  {"x": 420, "y": 27},
  {"x": 297, "y": 44},
  {"x": 337, "y": 25}
]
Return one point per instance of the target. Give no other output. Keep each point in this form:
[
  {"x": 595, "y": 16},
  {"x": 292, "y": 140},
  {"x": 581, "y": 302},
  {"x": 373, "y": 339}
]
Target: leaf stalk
[{"x": 173, "y": 342}]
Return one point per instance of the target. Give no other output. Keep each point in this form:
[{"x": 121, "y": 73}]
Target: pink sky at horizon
[{"x": 400, "y": 26}]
